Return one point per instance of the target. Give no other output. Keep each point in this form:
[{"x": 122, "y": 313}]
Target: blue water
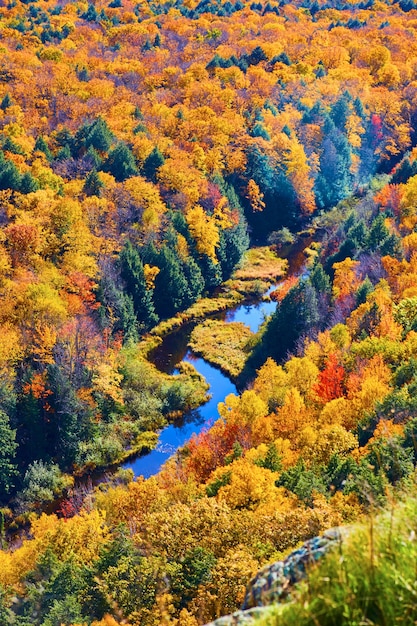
[
  {"x": 176, "y": 435},
  {"x": 252, "y": 314},
  {"x": 174, "y": 349}
]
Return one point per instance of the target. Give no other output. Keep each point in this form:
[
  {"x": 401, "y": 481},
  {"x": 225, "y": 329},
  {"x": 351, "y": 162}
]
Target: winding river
[{"x": 174, "y": 348}]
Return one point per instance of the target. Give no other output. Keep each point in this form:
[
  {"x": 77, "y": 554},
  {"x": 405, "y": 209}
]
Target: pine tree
[
  {"x": 171, "y": 287},
  {"x": 42, "y": 146},
  {"x": 6, "y": 102},
  {"x": 121, "y": 163},
  {"x": 151, "y": 164},
  {"x": 8, "y": 447},
  {"x": 28, "y": 183},
  {"x": 93, "y": 185},
  {"x": 99, "y": 136},
  {"x": 133, "y": 274}
]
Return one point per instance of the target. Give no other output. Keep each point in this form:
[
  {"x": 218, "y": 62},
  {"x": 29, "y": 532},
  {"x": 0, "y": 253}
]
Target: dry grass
[
  {"x": 222, "y": 344},
  {"x": 260, "y": 268},
  {"x": 261, "y": 264}
]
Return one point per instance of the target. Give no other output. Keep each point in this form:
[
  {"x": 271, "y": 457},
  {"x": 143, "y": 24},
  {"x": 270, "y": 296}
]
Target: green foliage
[
  {"x": 28, "y": 183},
  {"x": 212, "y": 489},
  {"x": 369, "y": 578},
  {"x": 272, "y": 460},
  {"x": 303, "y": 482},
  {"x": 6, "y": 102},
  {"x": 8, "y": 447},
  {"x": 295, "y": 316},
  {"x": 193, "y": 570},
  {"x": 152, "y": 163},
  {"x": 134, "y": 276},
  {"x": 42, "y": 483},
  {"x": 121, "y": 163},
  {"x": 93, "y": 185},
  {"x": 40, "y": 144},
  {"x": 99, "y": 136}
]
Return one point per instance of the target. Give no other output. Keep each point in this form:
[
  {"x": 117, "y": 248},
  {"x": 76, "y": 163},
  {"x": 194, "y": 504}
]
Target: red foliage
[
  {"x": 330, "y": 384},
  {"x": 209, "y": 449},
  {"x": 390, "y": 198},
  {"x": 377, "y": 133}
]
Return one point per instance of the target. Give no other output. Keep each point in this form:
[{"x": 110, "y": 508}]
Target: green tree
[
  {"x": 99, "y": 136},
  {"x": 6, "y": 102},
  {"x": 171, "y": 287},
  {"x": 9, "y": 174},
  {"x": 152, "y": 163},
  {"x": 42, "y": 146},
  {"x": 121, "y": 163},
  {"x": 93, "y": 185},
  {"x": 133, "y": 274},
  {"x": 28, "y": 183},
  {"x": 8, "y": 448}
]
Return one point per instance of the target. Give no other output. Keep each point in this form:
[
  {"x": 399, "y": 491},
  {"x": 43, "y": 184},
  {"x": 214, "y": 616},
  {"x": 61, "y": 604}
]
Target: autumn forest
[{"x": 160, "y": 164}]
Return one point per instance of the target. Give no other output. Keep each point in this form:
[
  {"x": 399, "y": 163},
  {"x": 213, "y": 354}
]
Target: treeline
[
  {"x": 325, "y": 433},
  {"x": 159, "y": 139}
]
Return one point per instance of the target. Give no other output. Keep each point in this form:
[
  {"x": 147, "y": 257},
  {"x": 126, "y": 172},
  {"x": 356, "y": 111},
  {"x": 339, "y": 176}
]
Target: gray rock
[{"x": 273, "y": 582}]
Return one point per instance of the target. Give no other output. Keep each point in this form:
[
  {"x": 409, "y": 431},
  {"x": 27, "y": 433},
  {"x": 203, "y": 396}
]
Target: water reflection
[
  {"x": 174, "y": 348},
  {"x": 176, "y": 435}
]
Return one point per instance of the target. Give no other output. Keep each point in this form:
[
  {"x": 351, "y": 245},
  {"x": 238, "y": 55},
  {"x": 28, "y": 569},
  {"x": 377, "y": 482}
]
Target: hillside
[{"x": 144, "y": 148}]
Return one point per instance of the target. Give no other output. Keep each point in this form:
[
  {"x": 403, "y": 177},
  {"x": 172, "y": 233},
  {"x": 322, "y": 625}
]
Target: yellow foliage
[
  {"x": 204, "y": 230},
  {"x": 244, "y": 409},
  {"x": 291, "y": 416},
  {"x": 249, "y": 487},
  {"x": 255, "y": 196},
  {"x": 334, "y": 439},
  {"x": 345, "y": 281},
  {"x": 336, "y": 411},
  {"x": 302, "y": 374},
  {"x": 151, "y": 272},
  {"x": 271, "y": 384}
]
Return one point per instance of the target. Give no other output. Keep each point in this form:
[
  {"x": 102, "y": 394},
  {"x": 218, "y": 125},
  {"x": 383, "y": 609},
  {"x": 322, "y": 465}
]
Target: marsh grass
[
  {"x": 199, "y": 310},
  {"x": 224, "y": 344},
  {"x": 261, "y": 264},
  {"x": 260, "y": 268},
  {"x": 371, "y": 579}
]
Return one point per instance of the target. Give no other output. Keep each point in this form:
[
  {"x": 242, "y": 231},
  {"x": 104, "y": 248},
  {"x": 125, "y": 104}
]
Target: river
[{"x": 174, "y": 348}]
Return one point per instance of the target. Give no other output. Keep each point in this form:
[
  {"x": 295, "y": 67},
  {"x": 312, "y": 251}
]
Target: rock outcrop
[{"x": 273, "y": 583}]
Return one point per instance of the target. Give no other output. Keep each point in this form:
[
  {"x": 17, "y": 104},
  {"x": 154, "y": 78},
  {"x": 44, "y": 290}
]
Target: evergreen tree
[
  {"x": 94, "y": 158},
  {"x": 99, "y": 136},
  {"x": 320, "y": 280},
  {"x": 171, "y": 287},
  {"x": 334, "y": 181},
  {"x": 233, "y": 243},
  {"x": 70, "y": 422},
  {"x": 118, "y": 306},
  {"x": 194, "y": 279},
  {"x": 365, "y": 288},
  {"x": 152, "y": 163},
  {"x": 91, "y": 14},
  {"x": 9, "y": 174},
  {"x": 93, "y": 185},
  {"x": 133, "y": 274},
  {"x": 42, "y": 146},
  {"x": 340, "y": 111},
  {"x": 8, "y": 447},
  {"x": 121, "y": 163},
  {"x": 6, "y": 102},
  {"x": 211, "y": 271},
  {"x": 64, "y": 153},
  {"x": 28, "y": 183},
  {"x": 296, "y": 315},
  {"x": 377, "y": 233}
]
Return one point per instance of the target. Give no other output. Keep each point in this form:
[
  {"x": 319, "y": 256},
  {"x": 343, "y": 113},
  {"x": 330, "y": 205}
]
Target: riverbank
[{"x": 146, "y": 452}]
